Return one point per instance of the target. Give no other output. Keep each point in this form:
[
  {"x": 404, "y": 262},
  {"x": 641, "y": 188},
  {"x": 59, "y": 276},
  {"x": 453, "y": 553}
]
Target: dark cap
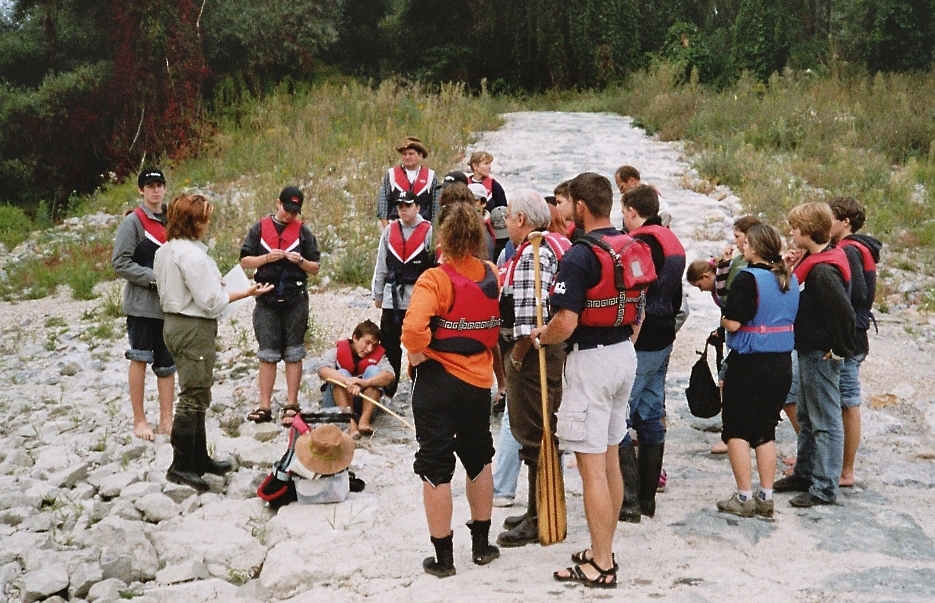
[
  {"x": 407, "y": 198},
  {"x": 150, "y": 175},
  {"x": 452, "y": 177},
  {"x": 291, "y": 198}
]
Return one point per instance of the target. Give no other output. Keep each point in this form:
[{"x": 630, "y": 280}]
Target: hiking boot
[
  {"x": 442, "y": 564},
  {"x": 513, "y": 520},
  {"x": 806, "y": 499},
  {"x": 735, "y": 506},
  {"x": 482, "y": 552},
  {"x": 764, "y": 508},
  {"x": 527, "y": 532},
  {"x": 792, "y": 483}
]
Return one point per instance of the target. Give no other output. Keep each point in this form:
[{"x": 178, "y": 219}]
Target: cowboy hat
[
  {"x": 325, "y": 450},
  {"x": 411, "y": 142}
]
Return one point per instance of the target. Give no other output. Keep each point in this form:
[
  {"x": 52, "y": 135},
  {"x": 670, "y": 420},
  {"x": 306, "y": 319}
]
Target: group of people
[
  {"x": 461, "y": 271},
  {"x": 796, "y": 324}
]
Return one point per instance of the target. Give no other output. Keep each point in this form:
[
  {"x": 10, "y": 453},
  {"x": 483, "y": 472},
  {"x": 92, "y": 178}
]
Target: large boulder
[
  {"x": 43, "y": 583},
  {"x": 126, "y": 552},
  {"x": 226, "y": 548}
]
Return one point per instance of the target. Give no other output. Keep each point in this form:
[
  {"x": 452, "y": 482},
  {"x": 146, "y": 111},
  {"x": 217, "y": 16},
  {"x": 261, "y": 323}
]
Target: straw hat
[{"x": 325, "y": 450}]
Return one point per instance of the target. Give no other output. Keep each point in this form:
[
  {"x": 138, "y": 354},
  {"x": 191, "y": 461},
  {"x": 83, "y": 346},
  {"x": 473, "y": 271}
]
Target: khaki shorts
[{"x": 596, "y": 389}]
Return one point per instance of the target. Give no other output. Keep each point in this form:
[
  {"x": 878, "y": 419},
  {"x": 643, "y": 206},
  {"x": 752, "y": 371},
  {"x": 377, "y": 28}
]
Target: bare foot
[
  {"x": 847, "y": 482},
  {"x": 789, "y": 461},
  {"x": 365, "y": 429},
  {"x": 143, "y": 432},
  {"x": 788, "y": 471},
  {"x": 165, "y": 427}
]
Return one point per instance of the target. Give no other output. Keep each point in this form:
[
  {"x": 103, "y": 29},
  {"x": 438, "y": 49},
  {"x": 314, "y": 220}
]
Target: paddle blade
[{"x": 550, "y": 495}]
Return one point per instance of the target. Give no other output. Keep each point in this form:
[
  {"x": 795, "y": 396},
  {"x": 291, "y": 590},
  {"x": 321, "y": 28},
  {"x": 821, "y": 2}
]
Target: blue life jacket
[{"x": 771, "y": 328}]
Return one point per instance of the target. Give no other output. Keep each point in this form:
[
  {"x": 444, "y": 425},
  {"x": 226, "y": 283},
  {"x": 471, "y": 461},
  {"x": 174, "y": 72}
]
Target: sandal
[
  {"x": 288, "y": 413},
  {"x": 604, "y": 579},
  {"x": 582, "y": 557},
  {"x": 260, "y": 415}
]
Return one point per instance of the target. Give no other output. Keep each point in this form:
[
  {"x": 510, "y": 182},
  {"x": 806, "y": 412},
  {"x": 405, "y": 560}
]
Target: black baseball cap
[
  {"x": 452, "y": 177},
  {"x": 150, "y": 175},
  {"x": 291, "y": 198}
]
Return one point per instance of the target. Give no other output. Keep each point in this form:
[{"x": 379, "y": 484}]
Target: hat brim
[
  {"x": 415, "y": 147},
  {"x": 152, "y": 179},
  {"x": 324, "y": 466}
]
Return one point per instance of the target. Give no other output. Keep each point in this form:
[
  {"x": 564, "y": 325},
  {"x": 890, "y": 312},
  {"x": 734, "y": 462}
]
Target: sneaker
[
  {"x": 764, "y": 508},
  {"x": 791, "y": 483},
  {"x": 805, "y": 500},
  {"x": 735, "y": 506},
  {"x": 502, "y": 501},
  {"x": 663, "y": 477}
]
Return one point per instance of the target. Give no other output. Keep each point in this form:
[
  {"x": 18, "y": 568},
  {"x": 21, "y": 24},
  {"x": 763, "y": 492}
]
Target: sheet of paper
[{"x": 232, "y": 282}]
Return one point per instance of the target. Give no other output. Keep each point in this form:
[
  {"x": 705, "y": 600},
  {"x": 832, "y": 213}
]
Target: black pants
[{"x": 390, "y": 332}]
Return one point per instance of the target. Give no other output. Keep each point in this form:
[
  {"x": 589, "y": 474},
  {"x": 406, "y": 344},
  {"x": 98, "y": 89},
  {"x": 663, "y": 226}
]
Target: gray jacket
[{"x": 139, "y": 298}]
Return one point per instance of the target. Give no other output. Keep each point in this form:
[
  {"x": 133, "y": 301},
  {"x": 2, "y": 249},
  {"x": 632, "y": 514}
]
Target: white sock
[
  {"x": 745, "y": 495},
  {"x": 766, "y": 494}
]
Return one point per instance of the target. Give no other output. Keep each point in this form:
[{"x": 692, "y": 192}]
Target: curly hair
[
  {"x": 460, "y": 232},
  {"x": 187, "y": 217},
  {"x": 455, "y": 193}
]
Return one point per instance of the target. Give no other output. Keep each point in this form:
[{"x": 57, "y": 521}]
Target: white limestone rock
[
  {"x": 42, "y": 583},
  {"x": 157, "y": 507},
  {"x": 83, "y": 577},
  {"x": 106, "y": 590},
  {"x": 182, "y": 572}
]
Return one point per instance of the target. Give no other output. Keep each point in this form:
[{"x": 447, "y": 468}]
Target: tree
[
  {"x": 763, "y": 34},
  {"x": 889, "y": 35}
]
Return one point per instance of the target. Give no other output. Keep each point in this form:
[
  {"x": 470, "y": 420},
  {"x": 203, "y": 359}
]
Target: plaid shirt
[{"x": 524, "y": 288}]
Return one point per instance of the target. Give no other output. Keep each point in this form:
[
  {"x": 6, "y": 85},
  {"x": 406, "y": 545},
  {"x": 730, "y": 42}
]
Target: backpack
[
  {"x": 703, "y": 393},
  {"x": 634, "y": 272}
]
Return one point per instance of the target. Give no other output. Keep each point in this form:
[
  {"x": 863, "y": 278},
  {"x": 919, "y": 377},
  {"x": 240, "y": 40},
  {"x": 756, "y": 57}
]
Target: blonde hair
[
  {"x": 480, "y": 157},
  {"x": 813, "y": 220}
]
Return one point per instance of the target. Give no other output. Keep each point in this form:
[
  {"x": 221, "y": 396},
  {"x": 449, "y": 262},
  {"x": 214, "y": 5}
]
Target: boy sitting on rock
[{"x": 360, "y": 363}]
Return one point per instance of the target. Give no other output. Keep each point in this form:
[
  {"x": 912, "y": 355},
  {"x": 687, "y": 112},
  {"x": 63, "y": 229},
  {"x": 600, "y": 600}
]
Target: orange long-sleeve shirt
[{"x": 433, "y": 295}]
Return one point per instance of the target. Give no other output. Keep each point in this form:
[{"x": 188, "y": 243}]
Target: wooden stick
[
  {"x": 550, "y": 485},
  {"x": 374, "y": 402}
]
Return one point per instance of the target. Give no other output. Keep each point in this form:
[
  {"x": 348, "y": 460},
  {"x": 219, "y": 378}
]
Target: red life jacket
[
  {"x": 417, "y": 187},
  {"x": 668, "y": 285},
  {"x": 472, "y": 324},
  {"x": 626, "y": 272},
  {"x": 487, "y": 182},
  {"x": 558, "y": 243},
  {"x": 869, "y": 264},
  {"x": 346, "y": 358},
  {"x": 155, "y": 231},
  {"x": 407, "y": 259},
  {"x": 831, "y": 255},
  {"x": 287, "y": 241}
]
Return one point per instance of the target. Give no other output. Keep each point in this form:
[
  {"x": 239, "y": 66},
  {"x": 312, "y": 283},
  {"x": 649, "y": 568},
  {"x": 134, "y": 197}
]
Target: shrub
[{"x": 15, "y": 226}]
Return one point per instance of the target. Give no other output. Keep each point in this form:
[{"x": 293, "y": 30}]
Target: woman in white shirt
[{"x": 192, "y": 298}]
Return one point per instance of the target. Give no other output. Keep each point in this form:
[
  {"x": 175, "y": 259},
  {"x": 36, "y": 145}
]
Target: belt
[{"x": 586, "y": 346}]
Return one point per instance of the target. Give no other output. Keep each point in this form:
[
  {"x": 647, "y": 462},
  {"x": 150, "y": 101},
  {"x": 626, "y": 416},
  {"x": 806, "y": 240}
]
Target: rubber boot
[
  {"x": 649, "y": 464},
  {"x": 442, "y": 564},
  {"x": 203, "y": 461},
  {"x": 182, "y": 470},
  {"x": 630, "y": 511},
  {"x": 482, "y": 552},
  {"x": 527, "y": 530}
]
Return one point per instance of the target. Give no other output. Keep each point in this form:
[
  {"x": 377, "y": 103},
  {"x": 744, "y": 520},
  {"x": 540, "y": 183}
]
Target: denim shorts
[
  {"x": 850, "y": 381},
  {"x": 147, "y": 345},
  {"x": 280, "y": 329}
]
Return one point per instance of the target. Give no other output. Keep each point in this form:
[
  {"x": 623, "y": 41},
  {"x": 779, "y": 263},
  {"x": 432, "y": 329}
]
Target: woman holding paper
[{"x": 192, "y": 297}]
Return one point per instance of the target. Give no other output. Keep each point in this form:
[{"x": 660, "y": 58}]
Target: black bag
[{"x": 702, "y": 393}]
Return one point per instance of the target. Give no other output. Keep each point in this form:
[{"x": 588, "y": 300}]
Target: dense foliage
[{"x": 92, "y": 89}]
